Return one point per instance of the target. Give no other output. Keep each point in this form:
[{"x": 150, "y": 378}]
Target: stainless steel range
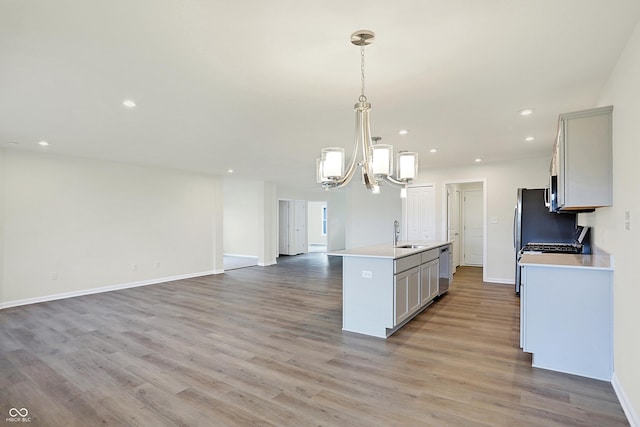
[
  {"x": 534, "y": 223},
  {"x": 553, "y": 248}
]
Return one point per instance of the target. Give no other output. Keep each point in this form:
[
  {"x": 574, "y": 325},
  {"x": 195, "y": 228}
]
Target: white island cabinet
[
  {"x": 383, "y": 287},
  {"x": 566, "y": 313}
]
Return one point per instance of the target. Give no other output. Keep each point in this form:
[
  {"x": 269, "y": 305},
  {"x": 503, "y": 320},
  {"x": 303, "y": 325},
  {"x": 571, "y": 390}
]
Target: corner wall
[
  {"x": 250, "y": 219},
  {"x": 72, "y": 225},
  {"x": 609, "y": 232},
  {"x": 3, "y": 180},
  {"x": 243, "y": 211}
]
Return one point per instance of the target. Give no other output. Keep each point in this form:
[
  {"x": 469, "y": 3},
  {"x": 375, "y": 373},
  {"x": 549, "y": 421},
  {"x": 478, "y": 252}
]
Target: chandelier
[{"x": 376, "y": 162}]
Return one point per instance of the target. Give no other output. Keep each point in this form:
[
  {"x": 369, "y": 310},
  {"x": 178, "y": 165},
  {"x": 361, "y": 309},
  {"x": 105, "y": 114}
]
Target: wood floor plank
[
  {"x": 264, "y": 346},
  {"x": 226, "y": 414},
  {"x": 44, "y": 409}
]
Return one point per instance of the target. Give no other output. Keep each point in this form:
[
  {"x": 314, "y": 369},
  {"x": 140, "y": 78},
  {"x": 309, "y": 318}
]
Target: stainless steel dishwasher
[{"x": 445, "y": 260}]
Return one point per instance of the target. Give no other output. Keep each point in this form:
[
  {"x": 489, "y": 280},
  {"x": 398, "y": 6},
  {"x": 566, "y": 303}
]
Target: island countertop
[{"x": 388, "y": 250}]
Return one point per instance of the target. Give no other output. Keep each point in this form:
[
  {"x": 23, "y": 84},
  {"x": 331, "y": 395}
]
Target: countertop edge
[
  {"x": 388, "y": 251},
  {"x": 587, "y": 262}
]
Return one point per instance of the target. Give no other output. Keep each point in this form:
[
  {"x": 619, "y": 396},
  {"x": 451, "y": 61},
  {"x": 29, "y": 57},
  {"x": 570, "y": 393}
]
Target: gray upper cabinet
[{"x": 581, "y": 165}]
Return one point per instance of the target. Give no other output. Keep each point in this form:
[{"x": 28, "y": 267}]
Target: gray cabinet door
[
  {"x": 583, "y": 156},
  {"x": 406, "y": 294}
]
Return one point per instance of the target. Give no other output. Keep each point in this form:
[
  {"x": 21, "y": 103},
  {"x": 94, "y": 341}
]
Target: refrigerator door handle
[
  {"x": 515, "y": 217},
  {"x": 547, "y": 200}
]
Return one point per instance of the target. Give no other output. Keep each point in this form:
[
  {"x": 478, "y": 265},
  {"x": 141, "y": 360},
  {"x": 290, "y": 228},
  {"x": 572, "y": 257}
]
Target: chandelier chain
[{"x": 363, "y": 98}]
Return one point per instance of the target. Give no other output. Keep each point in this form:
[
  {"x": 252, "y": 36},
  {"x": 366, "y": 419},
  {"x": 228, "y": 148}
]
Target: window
[{"x": 324, "y": 221}]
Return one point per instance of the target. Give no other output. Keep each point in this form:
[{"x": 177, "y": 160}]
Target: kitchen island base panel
[{"x": 365, "y": 301}]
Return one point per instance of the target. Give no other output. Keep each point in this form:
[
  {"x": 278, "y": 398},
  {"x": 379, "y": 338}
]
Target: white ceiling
[{"x": 261, "y": 86}]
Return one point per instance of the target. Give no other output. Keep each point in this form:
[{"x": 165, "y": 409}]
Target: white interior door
[
  {"x": 473, "y": 227},
  {"x": 283, "y": 227},
  {"x": 292, "y": 227},
  {"x": 300, "y": 225},
  {"x": 453, "y": 220},
  {"x": 421, "y": 218}
]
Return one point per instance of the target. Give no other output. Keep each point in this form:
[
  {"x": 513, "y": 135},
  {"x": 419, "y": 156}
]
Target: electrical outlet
[
  {"x": 134, "y": 267},
  {"x": 158, "y": 264},
  {"x": 627, "y": 220},
  {"x": 54, "y": 275}
]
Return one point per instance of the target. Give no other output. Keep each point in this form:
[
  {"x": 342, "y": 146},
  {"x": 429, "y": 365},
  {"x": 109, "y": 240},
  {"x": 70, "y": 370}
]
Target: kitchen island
[
  {"x": 566, "y": 313},
  {"x": 385, "y": 286}
]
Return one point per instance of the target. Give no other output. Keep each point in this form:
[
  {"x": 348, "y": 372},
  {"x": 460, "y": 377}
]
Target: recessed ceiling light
[
  {"x": 229, "y": 170},
  {"x": 529, "y": 138},
  {"x": 129, "y": 103},
  {"x": 526, "y": 112},
  {"x": 433, "y": 150},
  {"x": 43, "y": 143},
  {"x": 403, "y": 132},
  {"x": 478, "y": 160}
]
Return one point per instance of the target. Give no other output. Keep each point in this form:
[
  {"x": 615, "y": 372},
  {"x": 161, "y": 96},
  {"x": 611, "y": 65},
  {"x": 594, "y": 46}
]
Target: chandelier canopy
[{"x": 376, "y": 161}]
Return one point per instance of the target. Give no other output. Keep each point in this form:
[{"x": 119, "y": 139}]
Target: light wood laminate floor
[{"x": 264, "y": 346}]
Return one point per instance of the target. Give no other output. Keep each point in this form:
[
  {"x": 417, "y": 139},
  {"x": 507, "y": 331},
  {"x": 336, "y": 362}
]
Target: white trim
[
  {"x": 500, "y": 281},
  {"x": 241, "y": 256},
  {"x": 109, "y": 288},
  {"x": 484, "y": 216},
  {"x": 632, "y": 416},
  {"x": 404, "y": 230}
]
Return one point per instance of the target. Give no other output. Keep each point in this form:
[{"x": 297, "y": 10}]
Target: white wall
[
  {"x": 71, "y": 225},
  {"x": 369, "y": 217},
  {"x": 243, "y": 216},
  {"x": 502, "y": 181},
  {"x": 314, "y": 223},
  {"x": 269, "y": 228},
  {"x": 609, "y": 233},
  {"x": 337, "y": 212},
  {"x": 250, "y": 219},
  {"x": 217, "y": 218},
  {"x": 3, "y": 180}
]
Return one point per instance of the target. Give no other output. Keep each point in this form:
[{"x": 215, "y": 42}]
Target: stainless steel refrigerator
[{"x": 534, "y": 223}]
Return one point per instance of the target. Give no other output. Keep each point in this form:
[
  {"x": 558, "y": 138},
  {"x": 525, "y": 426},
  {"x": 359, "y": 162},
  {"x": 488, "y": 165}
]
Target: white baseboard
[
  {"x": 632, "y": 416},
  {"x": 241, "y": 256},
  {"x": 82, "y": 292},
  {"x": 500, "y": 281}
]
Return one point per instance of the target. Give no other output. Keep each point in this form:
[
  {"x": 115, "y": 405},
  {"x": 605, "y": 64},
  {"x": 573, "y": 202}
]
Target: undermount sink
[{"x": 410, "y": 246}]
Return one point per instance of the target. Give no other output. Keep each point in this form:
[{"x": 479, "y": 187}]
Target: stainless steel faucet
[{"x": 396, "y": 232}]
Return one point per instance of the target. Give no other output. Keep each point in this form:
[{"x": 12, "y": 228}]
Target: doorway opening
[
  {"x": 465, "y": 208},
  {"x": 317, "y": 226},
  {"x": 292, "y": 227}
]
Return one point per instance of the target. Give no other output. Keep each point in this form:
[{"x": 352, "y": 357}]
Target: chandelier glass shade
[{"x": 374, "y": 159}]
